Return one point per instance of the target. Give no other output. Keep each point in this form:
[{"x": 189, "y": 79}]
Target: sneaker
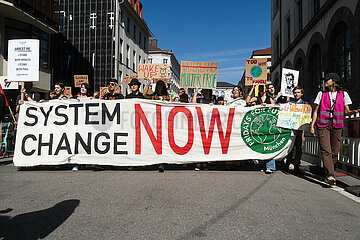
[
  {"x": 268, "y": 171},
  {"x": 75, "y": 168},
  {"x": 330, "y": 180},
  {"x": 161, "y": 168},
  {"x": 298, "y": 171},
  {"x": 197, "y": 169},
  {"x": 255, "y": 161}
]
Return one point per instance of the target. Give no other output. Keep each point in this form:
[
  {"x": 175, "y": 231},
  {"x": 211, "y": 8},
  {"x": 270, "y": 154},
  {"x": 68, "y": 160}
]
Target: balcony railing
[{"x": 43, "y": 10}]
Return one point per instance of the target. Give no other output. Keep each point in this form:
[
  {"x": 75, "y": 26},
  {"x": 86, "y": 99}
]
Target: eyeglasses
[{"x": 112, "y": 84}]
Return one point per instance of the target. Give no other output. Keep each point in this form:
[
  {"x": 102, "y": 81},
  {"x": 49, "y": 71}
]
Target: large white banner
[
  {"x": 142, "y": 132},
  {"x": 23, "y": 61}
]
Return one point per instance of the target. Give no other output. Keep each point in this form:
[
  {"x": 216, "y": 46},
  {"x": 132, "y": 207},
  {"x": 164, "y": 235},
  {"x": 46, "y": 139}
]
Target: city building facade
[
  {"x": 224, "y": 89},
  {"x": 158, "y": 55},
  {"x": 316, "y": 37},
  {"x": 21, "y": 19},
  {"x": 103, "y": 39}
]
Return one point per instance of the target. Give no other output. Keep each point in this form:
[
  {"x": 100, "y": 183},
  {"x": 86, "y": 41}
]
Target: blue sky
[{"x": 211, "y": 31}]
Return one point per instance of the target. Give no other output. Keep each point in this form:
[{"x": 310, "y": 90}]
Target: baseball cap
[{"x": 333, "y": 76}]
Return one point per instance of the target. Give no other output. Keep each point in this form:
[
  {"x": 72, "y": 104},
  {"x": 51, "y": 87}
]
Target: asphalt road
[{"x": 177, "y": 204}]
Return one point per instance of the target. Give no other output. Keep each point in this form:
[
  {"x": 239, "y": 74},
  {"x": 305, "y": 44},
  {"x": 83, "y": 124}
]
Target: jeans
[{"x": 271, "y": 165}]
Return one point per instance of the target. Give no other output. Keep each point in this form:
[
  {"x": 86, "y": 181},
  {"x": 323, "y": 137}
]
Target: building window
[
  {"x": 139, "y": 59},
  {"x": 316, "y": 6},
  {"x": 128, "y": 55},
  {"x": 276, "y": 6},
  {"x": 134, "y": 32},
  {"x": 121, "y": 50},
  {"x": 277, "y": 47},
  {"x": 299, "y": 65},
  {"x": 150, "y": 60},
  {"x": 315, "y": 69},
  {"x": 288, "y": 28},
  {"x": 128, "y": 25},
  {"x": 342, "y": 52},
  {"x": 140, "y": 38},
  {"x": 165, "y": 61},
  {"x": 300, "y": 15},
  {"x": 134, "y": 61}
]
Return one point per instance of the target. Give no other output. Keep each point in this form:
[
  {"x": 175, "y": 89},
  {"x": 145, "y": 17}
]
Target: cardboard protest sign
[
  {"x": 138, "y": 132},
  {"x": 102, "y": 91},
  {"x": 80, "y": 79},
  {"x": 67, "y": 92},
  {"x": 289, "y": 81},
  {"x": 256, "y": 71},
  {"x": 23, "y": 61},
  {"x": 127, "y": 79},
  {"x": 198, "y": 74},
  {"x": 153, "y": 71},
  {"x": 292, "y": 116}
]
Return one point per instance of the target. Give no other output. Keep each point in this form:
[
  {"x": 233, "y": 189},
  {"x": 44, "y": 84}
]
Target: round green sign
[
  {"x": 256, "y": 71},
  {"x": 260, "y": 133}
]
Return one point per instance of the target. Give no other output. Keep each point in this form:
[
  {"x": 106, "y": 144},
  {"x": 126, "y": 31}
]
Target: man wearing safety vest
[{"x": 331, "y": 107}]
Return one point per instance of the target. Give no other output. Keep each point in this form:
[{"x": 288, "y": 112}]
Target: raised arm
[{"x": 195, "y": 95}]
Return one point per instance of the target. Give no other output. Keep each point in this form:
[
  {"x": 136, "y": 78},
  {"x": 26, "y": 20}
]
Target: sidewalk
[{"x": 349, "y": 183}]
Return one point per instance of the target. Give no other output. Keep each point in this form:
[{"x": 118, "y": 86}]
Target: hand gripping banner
[{"x": 138, "y": 132}]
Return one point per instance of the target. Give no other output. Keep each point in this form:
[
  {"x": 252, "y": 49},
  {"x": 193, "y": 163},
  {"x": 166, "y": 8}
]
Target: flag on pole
[{"x": 2, "y": 92}]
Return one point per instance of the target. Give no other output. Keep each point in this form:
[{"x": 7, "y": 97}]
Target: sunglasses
[{"x": 112, "y": 84}]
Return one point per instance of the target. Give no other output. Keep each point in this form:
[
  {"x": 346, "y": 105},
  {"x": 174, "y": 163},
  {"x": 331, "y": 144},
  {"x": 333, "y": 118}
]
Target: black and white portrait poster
[{"x": 289, "y": 81}]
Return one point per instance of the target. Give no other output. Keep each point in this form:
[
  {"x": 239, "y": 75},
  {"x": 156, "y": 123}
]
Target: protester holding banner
[
  {"x": 29, "y": 95},
  {"x": 84, "y": 91},
  {"x": 60, "y": 91},
  {"x": 299, "y": 134},
  {"x": 278, "y": 98},
  {"x": 331, "y": 107},
  {"x": 206, "y": 96},
  {"x": 134, "y": 86},
  {"x": 160, "y": 92},
  {"x": 220, "y": 100},
  {"x": 262, "y": 99},
  {"x": 238, "y": 98},
  {"x": 113, "y": 91}
]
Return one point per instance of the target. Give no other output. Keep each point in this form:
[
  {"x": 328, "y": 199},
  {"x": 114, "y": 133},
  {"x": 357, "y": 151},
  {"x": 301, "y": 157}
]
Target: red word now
[{"x": 206, "y": 135}]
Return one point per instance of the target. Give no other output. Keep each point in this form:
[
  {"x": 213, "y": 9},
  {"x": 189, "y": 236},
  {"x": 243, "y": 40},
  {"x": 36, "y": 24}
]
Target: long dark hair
[
  {"x": 87, "y": 86},
  {"x": 163, "y": 91}
]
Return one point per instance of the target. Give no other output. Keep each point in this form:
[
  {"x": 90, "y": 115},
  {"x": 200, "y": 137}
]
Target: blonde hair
[{"x": 117, "y": 90}]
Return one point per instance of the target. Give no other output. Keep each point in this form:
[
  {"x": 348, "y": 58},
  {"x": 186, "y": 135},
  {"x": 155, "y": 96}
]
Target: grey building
[
  {"x": 21, "y": 19},
  {"x": 317, "y": 37},
  {"x": 100, "y": 38}
]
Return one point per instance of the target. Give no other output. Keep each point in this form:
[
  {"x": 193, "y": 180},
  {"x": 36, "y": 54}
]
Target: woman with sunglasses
[{"x": 113, "y": 91}]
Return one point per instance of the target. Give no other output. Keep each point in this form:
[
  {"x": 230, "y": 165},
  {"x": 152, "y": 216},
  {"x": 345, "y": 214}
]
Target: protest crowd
[{"x": 330, "y": 107}]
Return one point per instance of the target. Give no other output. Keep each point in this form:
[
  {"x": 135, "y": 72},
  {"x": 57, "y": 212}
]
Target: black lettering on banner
[
  {"x": 24, "y": 152},
  {"x": 85, "y": 146},
  {"x": 106, "y": 113},
  {"x": 88, "y": 113},
  {"x": 60, "y": 146},
  {"x": 106, "y": 144},
  {"x": 46, "y": 114},
  {"x": 116, "y": 143},
  {"x": 66, "y": 118},
  {"x": 29, "y": 115},
  {"x": 76, "y": 112},
  {"x": 44, "y": 144}
]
